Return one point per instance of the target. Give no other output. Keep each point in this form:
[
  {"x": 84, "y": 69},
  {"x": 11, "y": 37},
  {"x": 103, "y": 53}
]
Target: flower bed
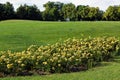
[{"x": 69, "y": 55}]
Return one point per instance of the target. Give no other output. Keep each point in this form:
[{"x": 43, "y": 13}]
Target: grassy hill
[{"x": 17, "y": 35}]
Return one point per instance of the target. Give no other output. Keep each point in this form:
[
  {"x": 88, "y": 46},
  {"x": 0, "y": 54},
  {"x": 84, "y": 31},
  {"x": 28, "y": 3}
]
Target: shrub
[{"x": 69, "y": 55}]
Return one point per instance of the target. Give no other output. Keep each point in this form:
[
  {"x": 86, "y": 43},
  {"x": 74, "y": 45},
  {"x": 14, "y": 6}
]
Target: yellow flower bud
[
  {"x": 59, "y": 65},
  {"x": 9, "y": 66},
  {"x": 22, "y": 65},
  {"x": 19, "y": 61},
  {"x": 44, "y": 63}
]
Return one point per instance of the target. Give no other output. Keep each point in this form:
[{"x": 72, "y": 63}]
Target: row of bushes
[{"x": 70, "y": 55}]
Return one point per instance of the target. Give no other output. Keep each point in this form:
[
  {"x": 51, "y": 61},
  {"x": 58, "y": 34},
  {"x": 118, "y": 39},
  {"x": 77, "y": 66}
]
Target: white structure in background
[{"x": 67, "y": 19}]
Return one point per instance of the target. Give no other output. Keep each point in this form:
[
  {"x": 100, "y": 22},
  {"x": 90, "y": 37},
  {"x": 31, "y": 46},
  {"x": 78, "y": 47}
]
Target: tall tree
[
  {"x": 69, "y": 11},
  {"x": 22, "y": 11},
  {"x": 33, "y": 13},
  {"x": 94, "y": 13},
  {"x": 85, "y": 12},
  {"x": 79, "y": 11},
  {"x": 9, "y": 11},
  {"x": 52, "y": 11},
  {"x": 112, "y": 13},
  {"x": 89, "y": 13},
  {"x": 28, "y": 12},
  {"x": 2, "y": 9},
  {"x": 6, "y": 11}
]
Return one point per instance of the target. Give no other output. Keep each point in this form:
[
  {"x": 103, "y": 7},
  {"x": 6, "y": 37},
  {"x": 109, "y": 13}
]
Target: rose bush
[{"x": 69, "y": 55}]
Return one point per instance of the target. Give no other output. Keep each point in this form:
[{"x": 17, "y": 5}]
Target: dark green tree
[
  {"x": 2, "y": 9},
  {"x": 33, "y": 13},
  {"x": 28, "y": 12},
  {"x": 89, "y": 13},
  {"x": 52, "y": 11},
  {"x": 6, "y": 11},
  {"x": 79, "y": 11},
  {"x": 69, "y": 11},
  {"x": 9, "y": 11},
  {"x": 22, "y": 12},
  {"x": 112, "y": 13},
  {"x": 95, "y": 14}
]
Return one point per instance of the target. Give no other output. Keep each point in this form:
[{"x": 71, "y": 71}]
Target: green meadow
[{"x": 17, "y": 35}]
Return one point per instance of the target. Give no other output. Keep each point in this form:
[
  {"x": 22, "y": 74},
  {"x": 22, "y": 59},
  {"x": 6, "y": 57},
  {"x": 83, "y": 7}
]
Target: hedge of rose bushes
[{"x": 69, "y": 55}]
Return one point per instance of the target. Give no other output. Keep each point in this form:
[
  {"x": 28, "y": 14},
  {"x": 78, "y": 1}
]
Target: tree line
[{"x": 57, "y": 11}]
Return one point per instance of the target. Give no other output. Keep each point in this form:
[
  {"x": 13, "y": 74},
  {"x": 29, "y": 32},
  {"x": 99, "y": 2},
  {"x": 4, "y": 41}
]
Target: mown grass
[{"x": 17, "y": 35}]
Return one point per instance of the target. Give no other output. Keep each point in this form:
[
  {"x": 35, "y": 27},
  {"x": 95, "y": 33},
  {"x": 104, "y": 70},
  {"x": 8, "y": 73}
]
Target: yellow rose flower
[
  {"x": 44, "y": 63},
  {"x": 19, "y": 61},
  {"x": 9, "y": 66},
  {"x": 22, "y": 65},
  {"x": 59, "y": 65}
]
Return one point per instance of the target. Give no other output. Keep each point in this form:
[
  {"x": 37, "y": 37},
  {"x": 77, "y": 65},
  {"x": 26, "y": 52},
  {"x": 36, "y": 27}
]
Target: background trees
[
  {"x": 6, "y": 11},
  {"x": 79, "y": 11},
  {"x": 52, "y": 11},
  {"x": 57, "y": 11},
  {"x": 69, "y": 11},
  {"x": 112, "y": 13},
  {"x": 1, "y": 11},
  {"x": 89, "y": 13},
  {"x": 9, "y": 11},
  {"x": 28, "y": 12}
]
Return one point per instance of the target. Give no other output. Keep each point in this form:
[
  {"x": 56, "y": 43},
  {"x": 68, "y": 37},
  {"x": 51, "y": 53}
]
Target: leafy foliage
[
  {"x": 52, "y": 11},
  {"x": 112, "y": 13},
  {"x": 28, "y": 12},
  {"x": 57, "y": 11},
  {"x": 70, "y": 55},
  {"x": 6, "y": 11},
  {"x": 69, "y": 11}
]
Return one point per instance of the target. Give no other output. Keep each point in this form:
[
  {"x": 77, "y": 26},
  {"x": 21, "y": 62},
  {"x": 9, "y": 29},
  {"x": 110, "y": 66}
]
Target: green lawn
[{"x": 17, "y": 35}]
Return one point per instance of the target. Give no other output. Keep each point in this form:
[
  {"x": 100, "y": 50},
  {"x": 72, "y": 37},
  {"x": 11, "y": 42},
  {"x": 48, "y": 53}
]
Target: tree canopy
[
  {"x": 6, "y": 11},
  {"x": 57, "y": 11},
  {"x": 52, "y": 11},
  {"x": 28, "y": 12},
  {"x": 112, "y": 13}
]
